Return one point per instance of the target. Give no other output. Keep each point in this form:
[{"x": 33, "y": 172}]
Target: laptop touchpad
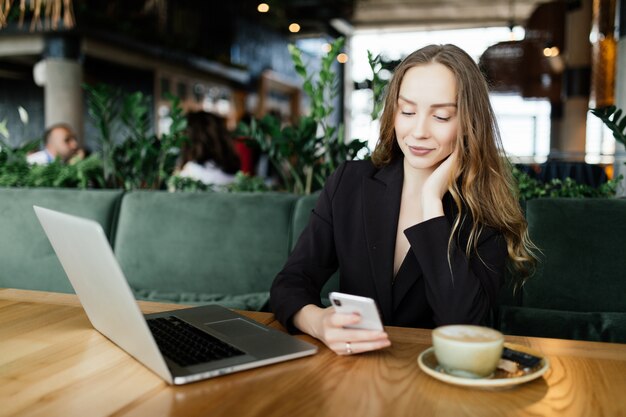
[{"x": 235, "y": 328}]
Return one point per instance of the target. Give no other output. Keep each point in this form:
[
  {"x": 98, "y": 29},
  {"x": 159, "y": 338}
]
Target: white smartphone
[{"x": 363, "y": 306}]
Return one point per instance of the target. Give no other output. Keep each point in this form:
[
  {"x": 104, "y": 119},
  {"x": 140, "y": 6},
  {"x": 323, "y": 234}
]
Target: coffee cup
[{"x": 467, "y": 351}]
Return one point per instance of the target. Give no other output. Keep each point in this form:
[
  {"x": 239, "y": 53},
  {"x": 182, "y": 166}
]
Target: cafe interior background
[{"x": 548, "y": 63}]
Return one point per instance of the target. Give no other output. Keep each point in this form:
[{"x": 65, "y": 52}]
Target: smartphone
[{"x": 363, "y": 306}]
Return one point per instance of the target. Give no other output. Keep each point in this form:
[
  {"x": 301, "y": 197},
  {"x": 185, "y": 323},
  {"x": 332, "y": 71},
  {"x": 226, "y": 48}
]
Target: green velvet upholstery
[
  {"x": 579, "y": 290},
  {"x": 203, "y": 243},
  {"x": 584, "y": 254},
  {"x": 562, "y": 324},
  {"x": 27, "y": 260},
  {"x": 252, "y": 301}
]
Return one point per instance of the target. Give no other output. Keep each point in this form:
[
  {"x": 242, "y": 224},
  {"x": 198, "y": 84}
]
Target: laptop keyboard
[{"x": 187, "y": 345}]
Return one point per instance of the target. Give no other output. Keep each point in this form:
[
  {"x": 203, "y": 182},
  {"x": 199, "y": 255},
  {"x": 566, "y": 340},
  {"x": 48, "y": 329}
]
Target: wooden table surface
[{"x": 53, "y": 363}]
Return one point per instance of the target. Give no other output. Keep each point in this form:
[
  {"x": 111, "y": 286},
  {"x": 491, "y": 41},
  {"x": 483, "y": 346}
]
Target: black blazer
[{"x": 353, "y": 228}]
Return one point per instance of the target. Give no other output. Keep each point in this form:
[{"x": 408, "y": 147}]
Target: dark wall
[
  {"x": 199, "y": 27},
  {"x": 258, "y": 48}
]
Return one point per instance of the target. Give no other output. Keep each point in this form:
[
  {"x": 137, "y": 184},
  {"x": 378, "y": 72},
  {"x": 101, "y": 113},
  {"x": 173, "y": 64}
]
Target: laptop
[{"x": 224, "y": 341}]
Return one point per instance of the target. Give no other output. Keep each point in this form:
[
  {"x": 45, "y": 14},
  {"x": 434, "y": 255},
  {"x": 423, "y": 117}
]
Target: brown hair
[
  {"x": 208, "y": 140},
  {"x": 481, "y": 183}
]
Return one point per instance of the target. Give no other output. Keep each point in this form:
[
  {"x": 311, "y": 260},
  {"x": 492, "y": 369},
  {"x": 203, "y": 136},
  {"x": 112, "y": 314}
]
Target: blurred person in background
[
  {"x": 208, "y": 155},
  {"x": 59, "y": 142}
]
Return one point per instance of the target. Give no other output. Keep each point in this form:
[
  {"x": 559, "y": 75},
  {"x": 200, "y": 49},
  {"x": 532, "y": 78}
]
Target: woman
[
  {"x": 208, "y": 155},
  {"x": 426, "y": 227}
]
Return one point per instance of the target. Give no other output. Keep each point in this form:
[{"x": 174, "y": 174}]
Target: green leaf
[
  {"x": 616, "y": 116},
  {"x": 615, "y": 125},
  {"x": 4, "y": 131},
  {"x": 622, "y": 124}
]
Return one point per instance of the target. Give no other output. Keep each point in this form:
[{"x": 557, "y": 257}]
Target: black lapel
[{"x": 381, "y": 209}]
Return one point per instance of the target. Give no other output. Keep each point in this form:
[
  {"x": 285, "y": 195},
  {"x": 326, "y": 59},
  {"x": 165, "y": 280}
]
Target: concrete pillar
[
  {"x": 620, "y": 91},
  {"x": 576, "y": 82},
  {"x": 60, "y": 72}
]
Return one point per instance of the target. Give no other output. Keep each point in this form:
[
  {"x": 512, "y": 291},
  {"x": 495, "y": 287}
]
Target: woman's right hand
[{"x": 328, "y": 326}]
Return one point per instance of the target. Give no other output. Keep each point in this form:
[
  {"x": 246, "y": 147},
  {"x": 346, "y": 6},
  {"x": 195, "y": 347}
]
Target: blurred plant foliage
[
  {"x": 178, "y": 183},
  {"x": 133, "y": 157},
  {"x": 16, "y": 172},
  {"x": 242, "y": 183},
  {"x": 245, "y": 183},
  {"x": 530, "y": 188},
  {"x": 306, "y": 153},
  {"x": 128, "y": 154},
  {"x": 378, "y": 84}
]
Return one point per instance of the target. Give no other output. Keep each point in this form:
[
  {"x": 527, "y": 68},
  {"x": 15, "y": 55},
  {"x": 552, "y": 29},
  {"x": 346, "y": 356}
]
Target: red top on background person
[{"x": 427, "y": 227}]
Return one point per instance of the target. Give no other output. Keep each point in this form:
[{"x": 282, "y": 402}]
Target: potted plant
[
  {"x": 306, "y": 153},
  {"x": 140, "y": 160}
]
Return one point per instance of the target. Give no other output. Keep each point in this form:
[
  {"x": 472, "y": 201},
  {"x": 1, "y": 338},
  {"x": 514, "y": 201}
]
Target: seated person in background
[
  {"x": 208, "y": 155},
  {"x": 426, "y": 228},
  {"x": 59, "y": 142}
]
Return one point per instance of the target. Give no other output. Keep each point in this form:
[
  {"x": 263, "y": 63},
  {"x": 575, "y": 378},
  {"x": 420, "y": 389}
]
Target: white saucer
[{"x": 500, "y": 379}]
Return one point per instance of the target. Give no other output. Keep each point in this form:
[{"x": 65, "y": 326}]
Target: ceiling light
[
  {"x": 326, "y": 48},
  {"x": 263, "y": 8},
  {"x": 294, "y": 28},
  {"x": 342, "y": 58}
]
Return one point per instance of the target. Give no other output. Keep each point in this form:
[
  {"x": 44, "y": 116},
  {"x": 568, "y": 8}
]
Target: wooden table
[{"x": 53, "y": 363}]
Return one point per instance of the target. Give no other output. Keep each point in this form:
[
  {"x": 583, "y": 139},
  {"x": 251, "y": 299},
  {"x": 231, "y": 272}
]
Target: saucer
[{"x": 500, "y": 378}]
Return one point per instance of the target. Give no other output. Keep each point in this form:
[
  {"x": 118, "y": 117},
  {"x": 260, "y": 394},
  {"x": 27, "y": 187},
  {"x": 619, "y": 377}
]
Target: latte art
[{"x": 469, "y": 333}]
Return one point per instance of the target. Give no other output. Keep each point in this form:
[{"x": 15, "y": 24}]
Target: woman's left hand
[
  {"x": 435, "y": 187},
  {"x": 437, "y": 183}
]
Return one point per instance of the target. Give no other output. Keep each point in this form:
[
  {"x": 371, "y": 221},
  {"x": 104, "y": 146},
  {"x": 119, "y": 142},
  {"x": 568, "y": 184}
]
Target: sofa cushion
[
  {"x": 27, "y": 259},
  {"x": 203, "y": 243},
  {"x": 583, "y": 260},
  {"x": 251, "y": 302},
  {"x": 594, "y": 326}
]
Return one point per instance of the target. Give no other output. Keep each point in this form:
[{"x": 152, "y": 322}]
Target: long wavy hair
[
  {"x": 481, "y": 183},
  {"x": 209, "y": 140}
]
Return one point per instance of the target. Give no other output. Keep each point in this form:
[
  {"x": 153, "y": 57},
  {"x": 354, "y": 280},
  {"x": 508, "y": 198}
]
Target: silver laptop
[{"x": 229, "y": 342}]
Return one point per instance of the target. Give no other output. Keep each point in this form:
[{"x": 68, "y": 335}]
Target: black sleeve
[
  {"x": 312, "y": 261},
  {"x": 458, "y": 289}
]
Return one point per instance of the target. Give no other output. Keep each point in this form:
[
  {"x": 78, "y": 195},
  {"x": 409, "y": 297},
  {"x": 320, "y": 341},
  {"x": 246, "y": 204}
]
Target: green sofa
[
  {"x": 193, "y": 248},
  {"x": 202, "y": 248},
  {"x": 579, "y": 289}
]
